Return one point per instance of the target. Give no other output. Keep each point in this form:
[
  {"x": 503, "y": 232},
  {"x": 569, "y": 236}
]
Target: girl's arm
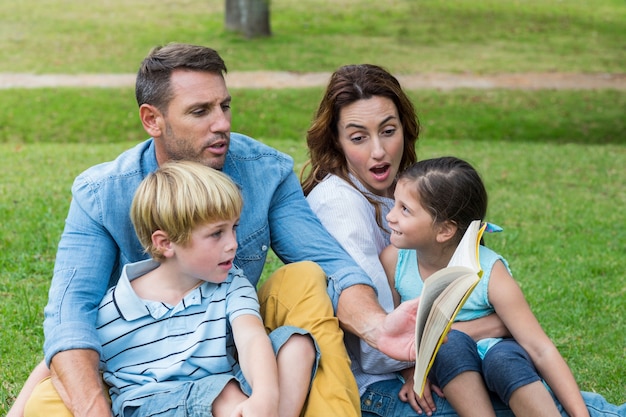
[
  {"x": 510, "y": 304},
  {"x": 258, "y": 364}
]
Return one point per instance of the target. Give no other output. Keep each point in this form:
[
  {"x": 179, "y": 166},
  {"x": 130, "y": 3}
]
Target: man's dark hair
[{"x": 153, "y": 78}]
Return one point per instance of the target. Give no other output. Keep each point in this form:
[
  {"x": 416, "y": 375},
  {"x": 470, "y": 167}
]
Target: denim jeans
[
  {"x": 381, "y": 400},
  {"x": 505, "y": 368}
]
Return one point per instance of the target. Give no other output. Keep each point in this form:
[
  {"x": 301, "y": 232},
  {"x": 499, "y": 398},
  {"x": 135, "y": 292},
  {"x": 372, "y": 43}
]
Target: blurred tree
[{"x": 248, "y": 17}]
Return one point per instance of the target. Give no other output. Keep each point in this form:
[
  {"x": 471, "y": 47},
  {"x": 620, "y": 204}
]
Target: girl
[{"x": 435, "y": 202}]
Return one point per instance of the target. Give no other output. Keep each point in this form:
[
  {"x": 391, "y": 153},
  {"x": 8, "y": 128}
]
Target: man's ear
[
  {"x": 151, "y": 119},
  {"x": 447, "y": 230},
  {"x": 162, "y": 243}
]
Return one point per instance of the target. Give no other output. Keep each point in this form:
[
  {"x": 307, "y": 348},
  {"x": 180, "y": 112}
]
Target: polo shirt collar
[{"x": 132, "y": 307}]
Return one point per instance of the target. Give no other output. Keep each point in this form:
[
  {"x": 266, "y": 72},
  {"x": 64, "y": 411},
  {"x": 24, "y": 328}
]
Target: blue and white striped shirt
[{"x": 149, "y": 347}]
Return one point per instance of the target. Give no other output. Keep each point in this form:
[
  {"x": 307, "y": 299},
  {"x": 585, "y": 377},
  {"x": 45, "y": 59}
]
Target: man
[{"x": 184, "y": 105}]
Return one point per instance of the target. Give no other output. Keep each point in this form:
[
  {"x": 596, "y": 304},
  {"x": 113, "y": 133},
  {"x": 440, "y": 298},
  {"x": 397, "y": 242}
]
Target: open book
[{"x": 443, "y": 295}]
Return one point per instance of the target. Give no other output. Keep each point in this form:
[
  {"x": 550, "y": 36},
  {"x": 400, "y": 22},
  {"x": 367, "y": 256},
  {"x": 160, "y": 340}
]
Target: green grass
[
  {"x": 110, "y": 115},
  {"x": 554, "y": 169},
  {"x": 55, "y": 36},
  {"x": 553, "y": 161}
]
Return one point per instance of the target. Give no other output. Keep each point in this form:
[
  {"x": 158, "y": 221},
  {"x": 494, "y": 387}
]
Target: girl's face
[
  {"x": 412, "y": 227},
  {"x": 372, "y": 140}
]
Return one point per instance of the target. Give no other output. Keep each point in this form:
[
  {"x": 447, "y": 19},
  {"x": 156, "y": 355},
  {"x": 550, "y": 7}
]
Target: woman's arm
[
  {"x": 511, "y": 306},
  {"x": 484, "y": 327},
  {"x": 351, "y": 220}
]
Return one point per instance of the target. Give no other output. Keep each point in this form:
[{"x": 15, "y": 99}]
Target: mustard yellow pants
[{"x": 294, "y": 295}]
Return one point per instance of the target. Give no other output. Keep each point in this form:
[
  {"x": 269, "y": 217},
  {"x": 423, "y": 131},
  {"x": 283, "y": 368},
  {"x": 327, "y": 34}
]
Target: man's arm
[
  {"x": 359, "y": 313},
  {"x": 86, "y": 259},
  {"x": 76, "y": 378},
  {"x": 351, "y": 289}
]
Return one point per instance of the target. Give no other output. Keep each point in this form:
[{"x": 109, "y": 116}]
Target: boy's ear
[
  {"x": 447, "y": 230},
  {"x": 162, "y": 243},
  {"x": 151, "y": 119}
]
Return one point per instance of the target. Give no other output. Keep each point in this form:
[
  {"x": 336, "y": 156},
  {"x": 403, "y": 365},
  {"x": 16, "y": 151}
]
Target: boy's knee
[{"x": 303, "y": 345}]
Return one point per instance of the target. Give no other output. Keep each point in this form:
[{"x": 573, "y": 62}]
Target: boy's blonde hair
[{"x": 180, "y": 196}]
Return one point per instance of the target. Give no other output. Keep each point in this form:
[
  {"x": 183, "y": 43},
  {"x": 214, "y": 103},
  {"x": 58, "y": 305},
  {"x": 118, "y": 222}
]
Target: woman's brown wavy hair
[{"x": 347, "y": 85}]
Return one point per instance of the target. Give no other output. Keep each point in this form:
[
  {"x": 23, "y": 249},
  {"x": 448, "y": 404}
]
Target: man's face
[{"x": 196, "y": 125}]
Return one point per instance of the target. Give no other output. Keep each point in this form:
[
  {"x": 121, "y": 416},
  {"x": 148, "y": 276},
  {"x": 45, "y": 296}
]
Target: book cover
[{"x": 443, "y": 295}]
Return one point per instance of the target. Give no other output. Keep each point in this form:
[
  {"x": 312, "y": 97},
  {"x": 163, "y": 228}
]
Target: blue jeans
[
  {"x": 505, "y": 368},
  {"x": 195, "y": 398},
  {"x": 381, "y": 400}
]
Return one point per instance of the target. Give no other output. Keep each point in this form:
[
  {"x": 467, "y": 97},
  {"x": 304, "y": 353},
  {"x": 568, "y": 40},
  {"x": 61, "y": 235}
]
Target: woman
[{"x": 364, "y": 133}]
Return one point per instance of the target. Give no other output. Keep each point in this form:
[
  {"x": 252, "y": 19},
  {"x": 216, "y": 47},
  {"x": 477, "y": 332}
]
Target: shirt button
[
  {"x": 368, "y": 402},
  {"x": 264, "y": 248}
]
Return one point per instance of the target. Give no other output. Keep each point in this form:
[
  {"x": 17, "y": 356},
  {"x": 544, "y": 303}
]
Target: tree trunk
[{"x": 248, "y": 17}]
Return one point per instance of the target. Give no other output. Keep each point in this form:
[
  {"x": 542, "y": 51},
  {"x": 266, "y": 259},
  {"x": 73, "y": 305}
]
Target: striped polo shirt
[{"x": 147, "y": 342}]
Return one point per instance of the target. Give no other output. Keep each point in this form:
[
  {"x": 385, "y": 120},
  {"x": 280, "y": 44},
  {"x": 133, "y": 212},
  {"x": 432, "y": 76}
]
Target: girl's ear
[
  {"x": 151, "y": 119},
  {"x": 162, "y": 243},
  {"x": 447, "y": 230}
]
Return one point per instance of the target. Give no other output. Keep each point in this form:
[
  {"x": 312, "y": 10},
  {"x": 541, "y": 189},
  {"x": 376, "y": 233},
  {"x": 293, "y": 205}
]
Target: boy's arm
[{"x": 258, "y": 363}]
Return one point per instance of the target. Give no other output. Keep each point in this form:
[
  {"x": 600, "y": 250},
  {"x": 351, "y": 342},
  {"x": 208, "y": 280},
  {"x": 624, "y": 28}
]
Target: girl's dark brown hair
[
  {"x": 450, "y": 189},
  {"x": 347, "y": 85}
]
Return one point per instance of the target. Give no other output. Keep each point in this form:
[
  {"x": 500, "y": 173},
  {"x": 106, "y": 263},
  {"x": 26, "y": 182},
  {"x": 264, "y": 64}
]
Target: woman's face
[{"x": 372, "y": 140}]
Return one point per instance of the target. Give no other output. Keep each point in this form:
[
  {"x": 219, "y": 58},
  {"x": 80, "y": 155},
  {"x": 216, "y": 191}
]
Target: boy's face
[{"x": 209, "y": 254}]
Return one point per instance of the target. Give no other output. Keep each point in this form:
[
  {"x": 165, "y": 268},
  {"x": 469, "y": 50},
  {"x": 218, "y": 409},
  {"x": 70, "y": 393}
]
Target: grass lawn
[
  {"x": 553, "y": 161},
  {"x": 555, "y": 183}
]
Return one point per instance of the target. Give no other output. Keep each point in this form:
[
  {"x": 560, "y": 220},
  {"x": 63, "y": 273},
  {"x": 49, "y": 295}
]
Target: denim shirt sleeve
[
  {"x": 84, "y": 251},
  {"x": 297, "y": 234},
  {"x": 94, "y": 246}
]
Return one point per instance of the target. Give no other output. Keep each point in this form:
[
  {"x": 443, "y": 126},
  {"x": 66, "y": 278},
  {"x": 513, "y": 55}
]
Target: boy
[{"x": 181, "y": 332}]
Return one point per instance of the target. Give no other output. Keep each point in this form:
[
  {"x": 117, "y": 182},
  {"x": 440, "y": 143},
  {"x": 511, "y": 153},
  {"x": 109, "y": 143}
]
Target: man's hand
[
  {"x": 397, "y": 335},
  {"x": 393, "y": 334}
]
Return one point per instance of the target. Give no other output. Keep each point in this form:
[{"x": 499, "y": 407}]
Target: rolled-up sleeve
[{"x": 85, "y": 259}]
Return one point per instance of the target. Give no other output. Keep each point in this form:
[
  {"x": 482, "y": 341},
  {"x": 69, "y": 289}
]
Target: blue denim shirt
[{"x": 99, "y": 239}]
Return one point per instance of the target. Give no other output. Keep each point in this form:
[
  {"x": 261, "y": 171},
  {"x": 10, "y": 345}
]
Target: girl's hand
[{"x": 423, "y": 404}]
